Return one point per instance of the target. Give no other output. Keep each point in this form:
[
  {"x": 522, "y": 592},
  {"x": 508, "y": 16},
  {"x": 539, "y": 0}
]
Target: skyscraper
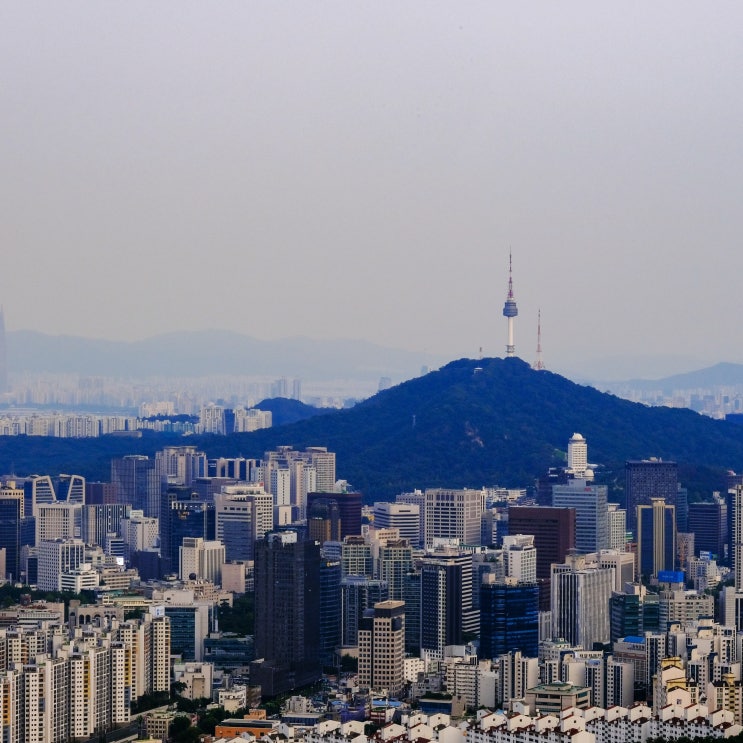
[
  {"x": 554, "y": 535},
  {"x": 137, "y": 482},
  {"x": 646, "y": 479},
  {"x": 447, "y": 613},
  {"x": 11, "y": 518},
  {"x": 453, "y": 514},
  {"x": 577, "y": 455},
  {"x": 656, "y": 537},
  {"x": 287, "y": 606},
  {"x": 591, "y": 513},
  {"x": 382, "y": 648},
  {"x": 509, "y": 617},
  {"x": 580, "y": 601}
]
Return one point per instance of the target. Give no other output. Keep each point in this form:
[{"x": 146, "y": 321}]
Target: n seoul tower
[{"x": 510, "y": 310}]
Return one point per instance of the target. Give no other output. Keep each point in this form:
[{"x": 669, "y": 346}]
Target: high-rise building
[
  {"x": 57, "y": 557},
  {"x": 11, "y": 520},
  {"x": 580, "y": 601},
  {"x": 287, "y": 606},
  {"x": 201, "y": 560},
  {"x": 577, "y": 455},
  {"x": 617, "y": 527},
  {"x": 348, "y": 508},
  {"x": 58, "y": 521},
  {"x": 447, "y": 613},
  {"x": 100, "y": 520},
  {"x": 591, "y": 513},
  {"x": 509, "y": 617},
  {"x": 402, "y": 516},
  {"x": 554, "y": 536},
  {"x": 656, "y": 537},
  {"x": 330, "y": 610},
  {"x": 244, "y": 514},
  {"x": 737, "y": 536},
  {"x": 358, "y": 594},
  {"x": 453, "y": 515},
  {"x": 392, "y": 561},
  {"x": 189, "y": 518},
  {"x": 137, "y": 482},
  {"x": 646, "y": 479},
  {"x": 708, "y": 521},
  {"x": 382, "y": 648},
  {"x": 181, "y": 465}
]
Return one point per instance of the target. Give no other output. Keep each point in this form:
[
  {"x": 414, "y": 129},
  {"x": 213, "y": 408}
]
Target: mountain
[
  {"x": 206, "y": 353},
  {"x": 471, "y": 423},
  {"x": 724, "y": 374}
]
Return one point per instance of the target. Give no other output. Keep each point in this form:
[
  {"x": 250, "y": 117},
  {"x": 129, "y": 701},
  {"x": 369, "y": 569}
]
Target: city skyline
[{"x": 348, "y": 172}]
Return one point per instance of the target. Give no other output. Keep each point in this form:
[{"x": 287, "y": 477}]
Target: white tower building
[
  {"x": 578, "y": 455},
  {"x": 510, "y": 311}
]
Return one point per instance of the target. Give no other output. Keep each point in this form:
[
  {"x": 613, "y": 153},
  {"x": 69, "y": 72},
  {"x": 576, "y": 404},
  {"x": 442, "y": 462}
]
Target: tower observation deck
[{"x": 510, "y": 310}]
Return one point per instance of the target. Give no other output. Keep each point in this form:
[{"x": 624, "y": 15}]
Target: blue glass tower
[{"x": 509, "y": 619}]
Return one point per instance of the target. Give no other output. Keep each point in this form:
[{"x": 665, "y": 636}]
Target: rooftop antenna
[{"x": 539, "y": 363}]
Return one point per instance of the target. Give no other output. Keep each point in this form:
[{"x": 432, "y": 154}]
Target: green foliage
[
  {"x": 10, "y": 595},
  {"x": 349, "y": 664},
  {"x": 503, "y": 425},
  {"x": 150, "y": 701},
  {"x": 240, "y": 617}
]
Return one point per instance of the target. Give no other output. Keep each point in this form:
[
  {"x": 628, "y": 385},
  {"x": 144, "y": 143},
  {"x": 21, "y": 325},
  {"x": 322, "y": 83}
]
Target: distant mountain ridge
[
  {"x": 206, "y": 353},
  {"x": 469, "y": 424},
  {"x": 723, "y": 374}
]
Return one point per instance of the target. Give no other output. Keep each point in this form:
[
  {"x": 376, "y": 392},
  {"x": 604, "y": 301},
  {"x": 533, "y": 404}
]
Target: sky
[{"x": 362, "y": 170}]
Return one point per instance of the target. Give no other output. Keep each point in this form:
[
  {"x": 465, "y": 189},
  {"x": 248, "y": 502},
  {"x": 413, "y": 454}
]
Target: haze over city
[{"x": 361, "y": 171}]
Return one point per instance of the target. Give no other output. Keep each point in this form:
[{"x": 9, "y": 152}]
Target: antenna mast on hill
[{"x": 539, "y": 363}]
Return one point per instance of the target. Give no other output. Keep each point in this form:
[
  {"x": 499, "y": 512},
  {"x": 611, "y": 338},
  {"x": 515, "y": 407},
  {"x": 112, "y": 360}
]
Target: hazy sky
[{"x": 361, "y": 169}]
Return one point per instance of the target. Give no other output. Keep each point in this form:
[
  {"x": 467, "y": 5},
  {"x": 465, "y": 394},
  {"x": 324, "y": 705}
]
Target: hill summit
[
  {"x": 469, "y": 424},
  {"x": 497, "y": 421}
]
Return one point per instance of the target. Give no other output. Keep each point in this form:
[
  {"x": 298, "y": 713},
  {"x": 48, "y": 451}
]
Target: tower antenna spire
[
  {"x": 509, "y": 309},
  {"x": 539, "y": 363}
]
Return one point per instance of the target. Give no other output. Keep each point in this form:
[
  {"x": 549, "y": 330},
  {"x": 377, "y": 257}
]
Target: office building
[
  {"x": 331, "y": 605},
  {"x": 11, "y": 521},
  {"x": 656, "y": 537},
  {"x": 392, "y": 561},
  {"x": 180, "y": 465},
  {"x": 381, "y": 643},
  {"x": 708, "y": 522},
  {"x": 58, "y": 521},
  {"x": 647, "y": 479},
  {"x": 402, "y": 516},
  {"x": 448, "y": 616},
  {"x": 580, "y": 601},
  {"x": 553, "y": 530},
  {"x": 591, "y": 513},
  {"x": 187, "y": 518},
  {"x": 201, "y": 560},
  {"x": 617, "y": 518},
  {"x": 453, "y": 515},
  {"x": 358, "y": 594},
  {"x": 101, "y": 519},
  {"x": 244, "y": 514},
  {"x": 347, "y": 506},
  {"x": 287, "y": 606},
  {"x": 324, "y": 520},
  {"x": 509, "y": 617},
  {"x": 137, "y": 482},
  {"x": 56, "y": 558}
]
